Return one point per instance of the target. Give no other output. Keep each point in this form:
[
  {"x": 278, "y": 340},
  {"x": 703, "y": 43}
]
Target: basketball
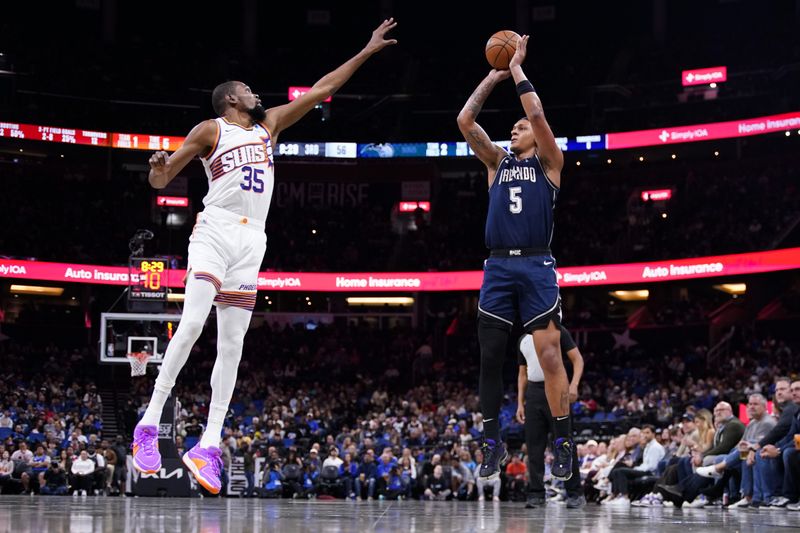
[{"x": 500, "y": 48}]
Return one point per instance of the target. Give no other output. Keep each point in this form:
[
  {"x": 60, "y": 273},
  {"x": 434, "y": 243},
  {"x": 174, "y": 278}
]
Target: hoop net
[{"x": 138, "y": 361}]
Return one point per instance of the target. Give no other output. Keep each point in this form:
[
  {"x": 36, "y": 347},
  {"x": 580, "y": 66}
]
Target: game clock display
[{"x": 148, "y": 280}]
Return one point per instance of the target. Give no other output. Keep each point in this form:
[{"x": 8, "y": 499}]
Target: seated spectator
[
  {"x": 53, "y": 481},
  {"x": 463, "y": 483},
  {"x": 784, "y": 453},
  {"x": 437, "y": 486},
  {"x": 408, "y": 475},
  {"x": 622, "y": 477},
  {"x": 39, "y": 465},
  {"x": 333, "y": 458},
  {"x": 391, "y": 486},
  {"x": 310, "y": 481},
  {"x": 83, "y": 470},
  {"x": 728, "y": 434},
  {"x": 22, "y": 459},
  {"x": 272, "y": 486},
  {"x": 6, "y": 469},
  {"x": 515, "y": 478},
  {"x": 100, "y": 472},
  {"x": 759, "y": 425},
  {"x": 348, "y": 471},
  {"x": 367, "y": 474}
]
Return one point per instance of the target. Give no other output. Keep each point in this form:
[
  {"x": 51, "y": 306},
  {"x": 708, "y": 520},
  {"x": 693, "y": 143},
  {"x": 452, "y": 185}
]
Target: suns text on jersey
[{"x": 243, "y": 155}]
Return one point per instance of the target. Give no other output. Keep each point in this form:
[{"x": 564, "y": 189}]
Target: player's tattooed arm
[
  {"x": 547, "y": 149},
  {"x": 478, "y": 140}
]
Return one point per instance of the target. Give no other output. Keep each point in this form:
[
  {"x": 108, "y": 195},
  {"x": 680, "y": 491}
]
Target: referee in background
[{"x": 534, "y": 413}]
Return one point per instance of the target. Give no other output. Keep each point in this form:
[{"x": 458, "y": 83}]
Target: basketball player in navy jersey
[{"x": 519, "y": 276}]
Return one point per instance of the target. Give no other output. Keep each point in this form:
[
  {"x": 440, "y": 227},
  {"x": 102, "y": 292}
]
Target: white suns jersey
[{"x": 240, "y": 170}]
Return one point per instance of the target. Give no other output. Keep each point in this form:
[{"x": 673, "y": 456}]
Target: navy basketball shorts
[{"x": 527, "y": 285}]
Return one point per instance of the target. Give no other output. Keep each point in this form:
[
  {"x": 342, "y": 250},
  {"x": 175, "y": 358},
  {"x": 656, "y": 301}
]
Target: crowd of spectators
[
  {"x": 359, "y": 412},
  {"x": 51, "y": 426},
  {"x": 717, "y": 207}
]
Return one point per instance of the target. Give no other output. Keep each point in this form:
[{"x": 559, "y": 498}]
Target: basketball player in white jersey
[{"x": 227, "y": 245}]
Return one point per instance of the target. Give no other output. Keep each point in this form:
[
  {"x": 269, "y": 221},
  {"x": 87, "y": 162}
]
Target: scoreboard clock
[{"x": 147, "y": 280}]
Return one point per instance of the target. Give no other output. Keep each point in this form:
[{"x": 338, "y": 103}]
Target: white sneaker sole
[{"x": 196, "y": 473}]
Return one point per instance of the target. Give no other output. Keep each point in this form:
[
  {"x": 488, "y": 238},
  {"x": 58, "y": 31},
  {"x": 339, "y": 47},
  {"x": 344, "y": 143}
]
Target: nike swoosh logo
[
  {"x": 562, "y": 417},
  {"x": 548, "y": 263},
  {"x": 199, "y": 463}
]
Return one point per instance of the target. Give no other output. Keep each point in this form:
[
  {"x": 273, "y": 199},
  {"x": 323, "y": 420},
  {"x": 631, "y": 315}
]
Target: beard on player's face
[{"x": 257, "y": 113}]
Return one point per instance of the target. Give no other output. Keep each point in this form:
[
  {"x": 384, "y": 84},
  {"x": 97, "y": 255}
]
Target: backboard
[{"x": 124, "y": 333}]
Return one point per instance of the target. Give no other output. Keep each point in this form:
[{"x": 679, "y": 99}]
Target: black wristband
[{"x": 525, "y": 86}]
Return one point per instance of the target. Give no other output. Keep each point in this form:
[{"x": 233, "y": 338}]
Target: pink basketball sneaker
[
  {"x": 146, "y": 458},
  {"x": 206, "y": 465}
]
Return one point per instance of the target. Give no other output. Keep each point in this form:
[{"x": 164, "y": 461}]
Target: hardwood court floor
[{"x": 46, "y": 514}]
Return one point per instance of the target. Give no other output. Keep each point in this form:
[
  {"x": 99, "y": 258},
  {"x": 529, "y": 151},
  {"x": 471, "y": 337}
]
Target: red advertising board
[
  {"x": 703, "y": 132},
  {"x": 702, "y": 76},
  {"x": 172, "y": 201},
  {"x": 53, "y": 134},
  {"x": 297, "y": 92},
  {"x": 410, "y": 207},
  {"x": 656, "y": 195},
  {"x": 700, "y": 267}
]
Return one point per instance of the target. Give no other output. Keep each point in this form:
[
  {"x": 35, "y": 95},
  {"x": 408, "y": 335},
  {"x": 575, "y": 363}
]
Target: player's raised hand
[
  {"x": 521, "y": 52},
  {"x": 379, "y": 41},
  {"x": 158, "y": 162},
  {"x": 500, "y": 75}
]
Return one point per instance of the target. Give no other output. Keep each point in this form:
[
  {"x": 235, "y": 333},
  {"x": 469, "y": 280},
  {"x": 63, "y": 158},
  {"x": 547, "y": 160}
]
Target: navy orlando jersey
[{"x": 521, "y": 203}]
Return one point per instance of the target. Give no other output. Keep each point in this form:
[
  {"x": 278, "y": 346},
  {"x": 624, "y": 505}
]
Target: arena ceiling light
[
  {"x": 632, "y": 295},
  {"x": 732, "y": 288},
  {"x": 405, "y": 301},
  {"x": 37, "y": 290}
]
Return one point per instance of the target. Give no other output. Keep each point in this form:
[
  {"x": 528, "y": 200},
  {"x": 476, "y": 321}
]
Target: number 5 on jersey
[
  {"x": 252, "y": 180},
  {"x": 516, "y": 200}
]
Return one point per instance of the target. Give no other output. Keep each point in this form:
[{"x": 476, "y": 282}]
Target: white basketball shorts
[{"x": 226, "y": 250}]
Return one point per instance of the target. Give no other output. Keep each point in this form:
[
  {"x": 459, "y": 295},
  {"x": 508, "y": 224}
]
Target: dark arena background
[{"x": 677, "y": 236}]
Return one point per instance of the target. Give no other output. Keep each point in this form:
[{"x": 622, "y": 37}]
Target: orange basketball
[{"x": 500, "y": 48}]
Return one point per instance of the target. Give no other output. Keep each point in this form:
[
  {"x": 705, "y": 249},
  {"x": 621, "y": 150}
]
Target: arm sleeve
[{"x": 567, "y": 342}]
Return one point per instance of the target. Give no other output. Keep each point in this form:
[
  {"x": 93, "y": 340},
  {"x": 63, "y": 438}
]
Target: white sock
[
  {"x": 232, "y": 324},
  {"x": 199, "y": 298}
]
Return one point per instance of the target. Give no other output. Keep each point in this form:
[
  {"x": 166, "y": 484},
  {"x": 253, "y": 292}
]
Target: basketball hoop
[{"x": 138, "y": 361}]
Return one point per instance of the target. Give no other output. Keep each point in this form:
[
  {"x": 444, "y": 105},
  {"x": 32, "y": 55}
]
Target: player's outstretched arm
[
  {"x": 200, "y": 141},
  {"x": 281, "y": 117},
  {"x": 549, "y": 153},
  {"x": 488, "y": 152}
]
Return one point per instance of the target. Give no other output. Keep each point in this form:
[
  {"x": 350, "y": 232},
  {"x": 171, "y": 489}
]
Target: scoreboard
[{"x": 148, "y": 280}]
